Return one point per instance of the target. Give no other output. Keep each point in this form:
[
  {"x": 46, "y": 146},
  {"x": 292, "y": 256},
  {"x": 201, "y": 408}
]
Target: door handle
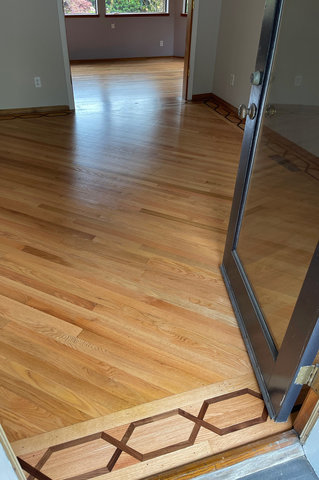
[
  {"x": 244, "y": 111},
  {"x": 270, "y": 110}
]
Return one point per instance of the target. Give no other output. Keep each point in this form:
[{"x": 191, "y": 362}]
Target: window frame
[
  {"x": 140, "y": 14},
  {"x": 185, "y": 8},
  {"x": 83, "y": 15}
]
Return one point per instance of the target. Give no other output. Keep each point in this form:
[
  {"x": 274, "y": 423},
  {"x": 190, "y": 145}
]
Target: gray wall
[
  {"x": 32, "y": 44},
  {"x": 297, "y": 55},
  {"x": 180, "y": 28},
  {"x": 93, "y": 38},
  {"x": 239, "y": 34},
  {"x": 207, "y": 16},
  {"x": 311, "y": 448}
]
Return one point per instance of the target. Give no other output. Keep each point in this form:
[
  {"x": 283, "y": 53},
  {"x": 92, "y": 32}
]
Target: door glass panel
[{"x": 280, "y": 225}]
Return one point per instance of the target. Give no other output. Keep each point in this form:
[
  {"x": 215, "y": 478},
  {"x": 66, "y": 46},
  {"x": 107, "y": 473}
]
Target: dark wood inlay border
[
  {"x": 122, "y": 445},
  {"x": 291, "y": 152}
]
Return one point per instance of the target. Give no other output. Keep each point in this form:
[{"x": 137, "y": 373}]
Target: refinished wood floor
[{"x": 113, "y": 223}]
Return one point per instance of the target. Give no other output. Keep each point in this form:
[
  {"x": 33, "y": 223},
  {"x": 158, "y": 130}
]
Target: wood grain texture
[
  {"x": 113, "y": 224},
  {"x": 146, "y": 440},
  {"x": 231, "y": 458},
  {"x": 306, "y": 410},
  {"x": 30, "y": 112}
]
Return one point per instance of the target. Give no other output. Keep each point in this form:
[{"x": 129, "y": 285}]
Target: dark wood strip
[
  {"x": 125, "y": 448},
  {"x": 195, "y": 190},
  {"x": 116, "y": 455},
  {"x": 237, "y": 427},
  {"x": 254, "y": 394},
  {"x": 155, "y": 418},
  {"x": 227, "y": 396},
  {"x": 78, "y": 441},
  {"x": 165, "y": 450},
  {"x": 202, "y": 423},
  {"x": 185, "y": 221},
  {"x": 42, "y": 461},
  {"x": 45, "y": 288},
  {"x": 45, "y": 255},
  {"x": 118, "y": 451},
  {"x": 87, "y": 476},
  {"x": 32, "y": 470},
  {"x": 49, "y": 226}
]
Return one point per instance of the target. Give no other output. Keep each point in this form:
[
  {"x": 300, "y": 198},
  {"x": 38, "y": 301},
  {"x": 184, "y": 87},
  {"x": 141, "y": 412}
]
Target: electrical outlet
[
  {"x": 37, "y": 82},
  {"x": 112, "y": 26},
  {"x": 298, "y": 80},
  {"x": 161, "y": 43},
  {"x": 232, "y": 80}
]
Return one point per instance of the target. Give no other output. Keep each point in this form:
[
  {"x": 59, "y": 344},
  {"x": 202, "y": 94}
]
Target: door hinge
[{"x": 309, "y": 375}]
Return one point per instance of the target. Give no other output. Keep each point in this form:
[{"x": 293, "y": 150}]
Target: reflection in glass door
[
  {"x": 280, "y": 226},
  {"x": 271, "y": 259}
]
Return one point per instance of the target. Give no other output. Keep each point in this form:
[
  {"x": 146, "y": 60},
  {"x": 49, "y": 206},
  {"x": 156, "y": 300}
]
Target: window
[
  {"x": 185, "y": 7},
  {"x": 135, "y": 6},
  {"x": 80, "y": 7}
]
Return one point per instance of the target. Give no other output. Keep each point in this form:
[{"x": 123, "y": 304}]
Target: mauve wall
[
  {"x": 93, "y": 38},
  {"x": 180, "y": 28}
]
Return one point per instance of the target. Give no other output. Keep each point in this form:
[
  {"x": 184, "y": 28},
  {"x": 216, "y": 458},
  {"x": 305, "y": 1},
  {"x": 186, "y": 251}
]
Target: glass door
[{"x": 271, "y": 260}]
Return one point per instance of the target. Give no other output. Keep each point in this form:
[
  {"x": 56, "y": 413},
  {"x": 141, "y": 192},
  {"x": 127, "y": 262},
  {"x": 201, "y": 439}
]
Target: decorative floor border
[
  {"x": 26, "y": 116},
  {"x": 221, "y": 109},
  {"x": 286, "y": 153},
  {"x": 122, "y": 445}
]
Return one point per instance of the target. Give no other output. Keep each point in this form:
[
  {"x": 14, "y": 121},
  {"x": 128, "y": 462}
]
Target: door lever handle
[{"x": 244, "y": 111}]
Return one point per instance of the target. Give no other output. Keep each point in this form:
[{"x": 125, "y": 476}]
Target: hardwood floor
[{"x": 113, "y": 223}]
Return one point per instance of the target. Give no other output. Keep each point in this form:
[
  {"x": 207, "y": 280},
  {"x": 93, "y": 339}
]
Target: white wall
[
  {"x": 311, "y": 448},
  {"x": 239, "y": 33},
  {"x": 6, "y": 469},
  {"x": 207, "y": 34},
  {"x": 297, "y": 55},
  {"x": 10, "y": 469},
  {"x": 32, "y": 44},
  {"x": 206, "y": 19}
]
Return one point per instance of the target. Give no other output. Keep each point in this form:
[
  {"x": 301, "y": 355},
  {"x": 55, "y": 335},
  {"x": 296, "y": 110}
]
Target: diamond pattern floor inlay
[{"x": 176, "y": 429}]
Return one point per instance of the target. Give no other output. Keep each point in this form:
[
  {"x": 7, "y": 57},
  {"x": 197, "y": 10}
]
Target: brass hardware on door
[
  {"x": 256, "y": 78},
  {"x": 244, "y": 111},
  {"x": 270, "y": 110},
  {"x": 309, "y": 375}
]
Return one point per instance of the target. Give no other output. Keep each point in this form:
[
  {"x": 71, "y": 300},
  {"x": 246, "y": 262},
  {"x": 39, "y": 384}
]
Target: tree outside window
[
  {"x": 80, "y": 7},
  {"x": 136, "y": 6}
]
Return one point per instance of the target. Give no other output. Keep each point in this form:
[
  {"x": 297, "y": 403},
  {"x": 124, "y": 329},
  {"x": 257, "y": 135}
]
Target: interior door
[{"x": 271, "y": 259}]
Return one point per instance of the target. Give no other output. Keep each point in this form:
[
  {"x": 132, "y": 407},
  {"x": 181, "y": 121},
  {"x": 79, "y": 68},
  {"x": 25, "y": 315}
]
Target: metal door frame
[{"x": 275, "y": 370}]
